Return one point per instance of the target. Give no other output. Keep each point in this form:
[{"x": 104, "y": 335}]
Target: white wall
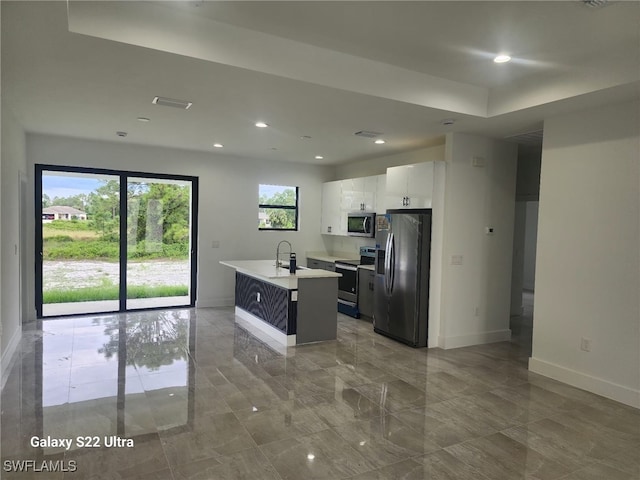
[
  {"x": 13, "y": 162},
  {"x": 475, "y": 296},
  {"x": 228, "y": 206},
  {"x": 588, "y": 256},
  {"x": 378, "y": 165}
]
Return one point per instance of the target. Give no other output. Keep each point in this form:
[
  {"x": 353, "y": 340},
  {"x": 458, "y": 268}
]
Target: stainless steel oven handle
[{"x": 342, "y": 266}]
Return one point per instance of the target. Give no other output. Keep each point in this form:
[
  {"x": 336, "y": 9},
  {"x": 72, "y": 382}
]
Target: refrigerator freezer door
[
  {"x": 403, "y": 298},
  {"x": 380, "y": 288}
]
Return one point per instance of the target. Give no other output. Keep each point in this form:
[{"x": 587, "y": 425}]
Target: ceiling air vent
[
  {"x": 367, "y": 134},
  {"x": 595, "y": 3},
  {"x": 171, "y": 102}
]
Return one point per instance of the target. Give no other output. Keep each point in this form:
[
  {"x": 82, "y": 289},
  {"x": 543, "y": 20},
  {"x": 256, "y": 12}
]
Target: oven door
[{"x": 348, "y": 282}]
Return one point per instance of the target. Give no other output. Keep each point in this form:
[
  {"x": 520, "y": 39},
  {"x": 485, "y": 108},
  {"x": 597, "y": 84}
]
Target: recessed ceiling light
[
  {"x": 121, "y": 134},
  {"x": 218, "y": 145},
  {"x": 305, "y": 137},
  {"x": 144, "y": 119},
  {"x": 379, "y": 141},
  {"x": 261, "y": 125},
  {"x": 448, "y": 121},
  {"x": 319, "y": 157},
  {"x": 311, "y": 456},
  {"x": 502, "y": 59}
]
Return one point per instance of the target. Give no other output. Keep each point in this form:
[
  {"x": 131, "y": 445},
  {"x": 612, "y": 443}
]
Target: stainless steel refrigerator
[{"x": 401, "y": 289}]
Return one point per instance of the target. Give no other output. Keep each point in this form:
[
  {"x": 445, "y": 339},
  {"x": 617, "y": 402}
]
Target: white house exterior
[{"x": 62, "y": 213}]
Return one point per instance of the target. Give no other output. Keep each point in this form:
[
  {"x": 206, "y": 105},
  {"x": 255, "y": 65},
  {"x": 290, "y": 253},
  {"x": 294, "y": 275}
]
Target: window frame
[{"x": 281, "y": 207}]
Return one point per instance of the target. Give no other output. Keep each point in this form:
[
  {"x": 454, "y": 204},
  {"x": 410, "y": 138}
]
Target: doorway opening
[
  {"x": 525, "y": 236},
  {"x": 113, "y": 241}
]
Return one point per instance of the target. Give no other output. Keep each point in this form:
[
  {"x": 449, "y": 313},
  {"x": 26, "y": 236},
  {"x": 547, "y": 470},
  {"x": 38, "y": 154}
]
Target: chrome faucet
[{"x": 278, "y": 252}]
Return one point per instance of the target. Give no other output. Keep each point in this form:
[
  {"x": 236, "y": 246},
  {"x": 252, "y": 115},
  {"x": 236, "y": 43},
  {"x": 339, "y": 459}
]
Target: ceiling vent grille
[
  {"x": 529, "y": 138},
  {"x": 367, "y": 134},
  {"x": 595, "y": 3},
  {"x": 171, "y": 102}
]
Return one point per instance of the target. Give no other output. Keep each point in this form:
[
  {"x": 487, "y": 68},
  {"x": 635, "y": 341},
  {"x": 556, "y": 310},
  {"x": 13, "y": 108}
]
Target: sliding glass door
[
  {"x": 112, "y": 241},
  {"x": 158, "y": 242}
]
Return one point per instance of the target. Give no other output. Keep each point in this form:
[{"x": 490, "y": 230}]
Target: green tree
[
  {"x": 279, "y": 218},
  {"x": 103, "y": 208},
  {"x": 158, "y": 212},
  {"x": 76, "y": 201}
]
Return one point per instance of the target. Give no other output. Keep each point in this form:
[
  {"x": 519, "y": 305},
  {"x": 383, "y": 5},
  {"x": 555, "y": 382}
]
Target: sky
[
  {"x": 60, "y": 184},
  {"x": 66, "y": 185}
]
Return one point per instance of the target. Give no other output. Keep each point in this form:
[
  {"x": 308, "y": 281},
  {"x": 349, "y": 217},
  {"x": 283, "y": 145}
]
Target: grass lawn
[
  {"x": 92, "y": 294},
  {"x": 73, "y": 230}
]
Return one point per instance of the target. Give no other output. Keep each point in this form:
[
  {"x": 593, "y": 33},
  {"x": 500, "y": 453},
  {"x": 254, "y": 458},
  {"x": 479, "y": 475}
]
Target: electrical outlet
[
  {"x": 477, "y": 311},
  {"x": 215, "y": 244},
  {"x": 585, "y": 344}
]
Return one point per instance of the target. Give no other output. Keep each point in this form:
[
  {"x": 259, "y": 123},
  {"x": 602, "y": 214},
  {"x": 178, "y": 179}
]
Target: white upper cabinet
[
  {"x": 331, "y": 208},
  {"x": 410, "y": 186},
  {"x": 360, "y": 194},
  {"x": 351, "y": 195},
  {"x": 381, "y": 194}
]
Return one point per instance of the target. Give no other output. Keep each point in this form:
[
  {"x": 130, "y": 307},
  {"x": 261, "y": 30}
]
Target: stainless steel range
[{"x": 348, "y": 283}]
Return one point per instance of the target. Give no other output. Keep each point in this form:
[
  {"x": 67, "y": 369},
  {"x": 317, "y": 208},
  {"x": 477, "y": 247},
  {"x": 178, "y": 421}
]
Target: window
[{"x": 278, "y": 207}]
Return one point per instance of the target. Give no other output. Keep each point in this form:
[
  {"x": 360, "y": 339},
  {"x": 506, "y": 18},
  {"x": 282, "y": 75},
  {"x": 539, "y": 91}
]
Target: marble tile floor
[{"x": 201, "y": 398}]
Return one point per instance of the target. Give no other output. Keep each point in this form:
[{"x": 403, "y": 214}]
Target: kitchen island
[{"x": 291, "y": 308}]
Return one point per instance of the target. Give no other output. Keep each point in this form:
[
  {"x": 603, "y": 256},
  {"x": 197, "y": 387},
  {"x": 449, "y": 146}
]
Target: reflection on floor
[
  {"x": 97, "y": 306},
  {"x": 203, "y": 399}
]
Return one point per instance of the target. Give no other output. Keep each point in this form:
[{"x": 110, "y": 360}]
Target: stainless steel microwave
[{"x": 361, "y": 224}]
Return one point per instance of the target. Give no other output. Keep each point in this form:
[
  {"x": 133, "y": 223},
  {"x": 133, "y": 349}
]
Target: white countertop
[
  {"x": 325, "y": 257},
  {"x": 266, "y": 270}
]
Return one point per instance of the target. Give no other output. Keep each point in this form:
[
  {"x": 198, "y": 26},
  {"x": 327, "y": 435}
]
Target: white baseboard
[
  {"x": 264, "y": 327},
  {"x": 215, "y": 302},
  {"x": 596, "y": 385},
  {"x": 9, "y": 357},
  {"x": 474, "y": 339}
]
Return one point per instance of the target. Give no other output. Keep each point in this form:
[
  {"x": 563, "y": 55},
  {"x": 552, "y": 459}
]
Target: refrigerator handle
[
  {"x": 387, "y": 265},
  {"x": 392, "y": 262}
]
